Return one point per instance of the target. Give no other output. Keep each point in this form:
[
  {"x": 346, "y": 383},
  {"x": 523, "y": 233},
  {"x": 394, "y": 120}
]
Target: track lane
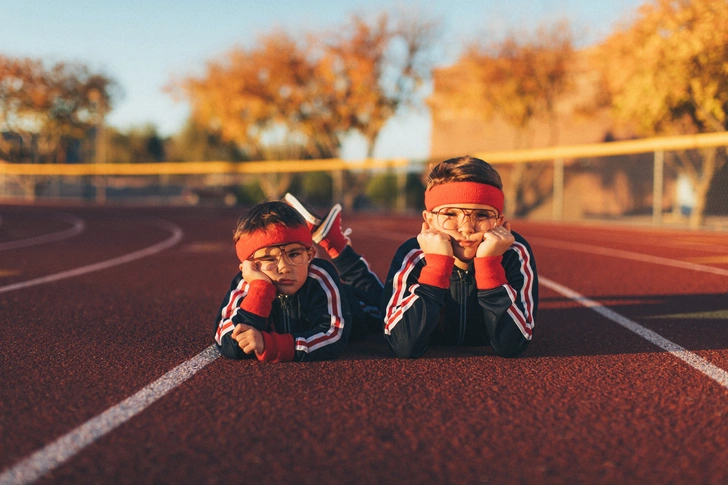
[
  {"x": 77, "y": 227},
  {"x": 464, "y": 397}
]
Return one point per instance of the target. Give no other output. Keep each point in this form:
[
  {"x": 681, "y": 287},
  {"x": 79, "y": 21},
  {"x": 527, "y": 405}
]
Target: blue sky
[{"x": 144, "y": 44}]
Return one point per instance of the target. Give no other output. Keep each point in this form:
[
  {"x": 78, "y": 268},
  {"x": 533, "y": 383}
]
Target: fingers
[
  {"x": 250, "y": 347},
  {"x": 240, "y": 328},
  {"x": 248, "y": 338}
]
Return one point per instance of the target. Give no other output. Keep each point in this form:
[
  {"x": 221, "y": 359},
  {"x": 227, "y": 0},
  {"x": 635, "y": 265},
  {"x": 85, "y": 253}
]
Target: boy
[
  {"x": 285, "y": 304},
  {"x": 466, "y": 279}
]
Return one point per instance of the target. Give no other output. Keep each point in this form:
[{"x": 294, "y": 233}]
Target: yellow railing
[
  {"x": 647, "y": 145},
  {"x": 197, "y": 168},
  {"x": 556, "y": 155}
]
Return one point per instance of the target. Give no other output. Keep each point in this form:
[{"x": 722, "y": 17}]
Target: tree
[
  {"x": 518, "y": 79},
  {"x": 299, "y": 98},
  {"x": 48, "y": 106},
  {"x": 140, "y": 144},
  {"x": 268, "y": 96},
  {"x": 665, "y": 73},
  {"x": 196, "y": 143},
  {"x": 378, "y": 67}
]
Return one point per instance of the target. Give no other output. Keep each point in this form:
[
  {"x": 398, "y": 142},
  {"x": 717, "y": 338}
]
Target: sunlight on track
[
  {"x": 618, "y": 253},
  {"x": 51, "y": 456},
  {"x": 78, "y": 227},
  {"x": 142, "y": 253},
  {"x": 695, "y": 361}
]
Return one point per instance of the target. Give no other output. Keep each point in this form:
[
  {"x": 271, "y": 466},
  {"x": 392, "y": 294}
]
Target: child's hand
[
  {"x": 249, "y": 339},
  {"x": 434, "y": 242},
  {"x": 252, "y": 272},
  {"x": 496, "y": 241}
]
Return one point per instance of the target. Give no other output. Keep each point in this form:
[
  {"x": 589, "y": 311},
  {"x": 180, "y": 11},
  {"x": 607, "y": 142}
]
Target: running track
[{"x": 108, "y": 376}]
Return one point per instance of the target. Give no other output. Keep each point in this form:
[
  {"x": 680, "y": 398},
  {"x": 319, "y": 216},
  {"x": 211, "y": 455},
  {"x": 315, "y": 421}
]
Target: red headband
[
  {"x": 452, "y": 193},
  {"x": 274, "y": 235}
]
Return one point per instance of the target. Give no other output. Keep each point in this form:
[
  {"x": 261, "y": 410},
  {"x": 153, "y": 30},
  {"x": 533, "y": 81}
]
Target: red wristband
[
  {"x": 437, "y": 270},
  {"x": 278, "y": 347},
  {"x": 489, "y": 272},
  {"x": 259, "y": 299}
]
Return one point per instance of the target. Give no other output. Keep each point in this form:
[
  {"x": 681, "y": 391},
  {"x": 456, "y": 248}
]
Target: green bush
[
  {"x": 316, "y": 188},
  {"x": 382, "y": 190},
  {"x": 250, "y": 194}
]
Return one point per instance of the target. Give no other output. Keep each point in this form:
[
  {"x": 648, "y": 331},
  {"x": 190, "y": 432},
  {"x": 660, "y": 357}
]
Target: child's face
[
  {"x": 465, "y": 224},
  {"x": 286, "y": 266}
]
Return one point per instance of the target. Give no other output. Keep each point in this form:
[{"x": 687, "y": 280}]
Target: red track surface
[{"x": 589, "y": 402}]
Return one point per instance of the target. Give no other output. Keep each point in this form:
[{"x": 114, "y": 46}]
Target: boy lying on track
[
  {"x": 287, "y": 305},
  {"x": 466, "y": 279}
]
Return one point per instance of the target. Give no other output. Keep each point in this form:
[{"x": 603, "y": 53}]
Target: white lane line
[
  {"x": 588, "y": 248},
  {"x": 693, "y": 360},
  {"x": 618, "y": 253},
  {"x": 64, "y": 448},
  {"x": 78, "y": 227},
  {"x": 142, "y": 253}
]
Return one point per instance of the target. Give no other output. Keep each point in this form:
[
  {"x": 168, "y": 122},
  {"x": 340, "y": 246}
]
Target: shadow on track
[{"x": 565, "y": 328}]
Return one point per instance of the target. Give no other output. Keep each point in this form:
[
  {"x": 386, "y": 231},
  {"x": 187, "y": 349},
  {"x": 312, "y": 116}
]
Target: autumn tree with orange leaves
[
  {"x": 293, "y": 98},
  {"x": 666, "y": 73},
  {"x": 310, "y": 93},
  {"x": 518, "y": 79},
  {"x": 47, "y": 106}
]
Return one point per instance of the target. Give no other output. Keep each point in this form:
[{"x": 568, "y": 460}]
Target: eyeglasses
[
  {"x": 452, "y": 218},
  {"x": 292, "y": 254}
]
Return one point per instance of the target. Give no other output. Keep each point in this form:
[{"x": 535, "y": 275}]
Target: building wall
[{"x": 593, "y": 187}]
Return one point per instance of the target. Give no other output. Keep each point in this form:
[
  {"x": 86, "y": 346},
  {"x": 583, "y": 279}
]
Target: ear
[
  {"x": 241, "y": 266},
  {"x": 428, "y": 217}
]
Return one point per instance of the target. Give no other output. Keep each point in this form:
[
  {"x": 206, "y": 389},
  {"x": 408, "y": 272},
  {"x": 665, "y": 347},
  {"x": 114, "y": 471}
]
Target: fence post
[
  {"x": 558, "y": 199},
  {"x": 657, "y": 187},
  {"x": 337, "y": 192},
  {"x": 401, "y": 204}
]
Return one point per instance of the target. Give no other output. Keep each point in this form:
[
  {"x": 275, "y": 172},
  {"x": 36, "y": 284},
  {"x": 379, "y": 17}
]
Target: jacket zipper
[
  {"x": 462, "y": 297},
  {"x": 286, "y": 313}
]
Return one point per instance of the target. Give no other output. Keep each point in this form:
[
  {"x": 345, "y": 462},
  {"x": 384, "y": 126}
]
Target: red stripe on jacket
[
  {"x": 399, "y": 301},
  {"x": 229, "y": 311},
  {"x": 320, "y": 339}
]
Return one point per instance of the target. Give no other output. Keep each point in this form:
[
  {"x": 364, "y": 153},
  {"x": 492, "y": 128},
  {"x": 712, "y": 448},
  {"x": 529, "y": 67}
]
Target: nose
[
  {"x": 286, "y": 267},
  {"x": 466, "y": 227}
]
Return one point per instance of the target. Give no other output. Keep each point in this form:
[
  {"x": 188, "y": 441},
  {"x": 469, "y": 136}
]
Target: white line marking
[
  {"x": 68, "y": 445},
  {"x": 588, "y": 248},
  {"x": 142, "y": 253},
  {"x": 78, "y": 228},
  {"x": 695, "y": 361},
  {"x": 618, "y": 253}
]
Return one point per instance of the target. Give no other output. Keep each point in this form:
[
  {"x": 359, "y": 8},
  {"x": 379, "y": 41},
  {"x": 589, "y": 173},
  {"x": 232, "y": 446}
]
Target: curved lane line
[
  {"x": 78, "y": 227},
  {"x": 64, "y": 448},
  {"x": 693, "y": 360},
  {"x": 176, "y": 237}
]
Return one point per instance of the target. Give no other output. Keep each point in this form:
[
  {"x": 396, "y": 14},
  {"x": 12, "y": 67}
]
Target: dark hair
[
  {"x": 266, "y": 214},
  {"x": 464, "y": 169}
]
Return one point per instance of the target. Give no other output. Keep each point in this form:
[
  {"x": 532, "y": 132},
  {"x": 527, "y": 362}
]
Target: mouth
[
  {"x": 466, "y": 244},
  {"x": 285, "y": 282}
]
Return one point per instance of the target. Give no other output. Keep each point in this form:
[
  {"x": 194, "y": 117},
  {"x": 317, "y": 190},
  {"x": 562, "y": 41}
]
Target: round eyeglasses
[
  {"x": 293, "y": 254},
  {"x": 453, "y": 218}
]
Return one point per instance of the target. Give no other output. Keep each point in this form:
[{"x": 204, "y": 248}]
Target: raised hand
[
  {"x": 251, "y": 271},
  {"x": 434, "y": 242},
  {"x": 496, "y": 241}
]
